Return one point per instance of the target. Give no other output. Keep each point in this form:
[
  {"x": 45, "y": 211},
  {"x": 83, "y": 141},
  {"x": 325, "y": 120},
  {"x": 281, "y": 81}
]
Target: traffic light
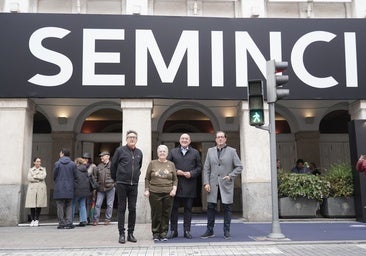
[
  {"x": 275, "y": 81},
  {"x": 255, "y": 100}
]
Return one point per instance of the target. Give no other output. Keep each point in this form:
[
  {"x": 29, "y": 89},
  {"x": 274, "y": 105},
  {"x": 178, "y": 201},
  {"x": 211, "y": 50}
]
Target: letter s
[{"x": 36, "y": 48}]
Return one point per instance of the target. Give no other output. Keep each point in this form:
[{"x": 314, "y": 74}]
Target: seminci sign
[{"x": 108, "y": 56}]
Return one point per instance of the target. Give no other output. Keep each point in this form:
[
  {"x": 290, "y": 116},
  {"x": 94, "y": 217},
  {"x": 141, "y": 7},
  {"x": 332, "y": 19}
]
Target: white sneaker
[
  {"x": 32, "y": 224},
  {"x": 36, "y": 223}
]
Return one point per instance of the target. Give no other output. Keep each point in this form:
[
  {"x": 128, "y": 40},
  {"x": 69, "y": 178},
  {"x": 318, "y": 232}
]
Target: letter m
[{"x": 188, "y": 42}]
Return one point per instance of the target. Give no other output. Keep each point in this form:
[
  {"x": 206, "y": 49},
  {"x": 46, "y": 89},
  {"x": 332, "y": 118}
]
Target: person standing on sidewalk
[
  {"x": 37, "y": 191},
  {"x": 81, "y": 191},
  {"x": 64, "y": 176},
  {"x": 160, "y": 187},
  {"x": 90, "y": 200},
  {"x": 188, "y": 166},
  {"x": 105, "y": 189},
  {"x": 126, "y": 170},
  {"x": 221, "y": 167}
]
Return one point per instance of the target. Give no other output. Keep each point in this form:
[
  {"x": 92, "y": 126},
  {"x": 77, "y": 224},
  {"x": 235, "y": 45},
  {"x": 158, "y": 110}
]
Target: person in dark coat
[
  {"x": 188, "y": 165},
  {"x": 125, "y": 170},
  {"x": 64, "y": 175},
  {"x": 81, "y": 191}
]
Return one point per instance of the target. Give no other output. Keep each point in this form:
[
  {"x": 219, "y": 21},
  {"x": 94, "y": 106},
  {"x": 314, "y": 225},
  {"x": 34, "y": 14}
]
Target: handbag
[{"x": 93, "y": 184}]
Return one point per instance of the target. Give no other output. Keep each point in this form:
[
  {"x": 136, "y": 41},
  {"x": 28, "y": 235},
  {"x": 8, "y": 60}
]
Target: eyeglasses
[
  {"x": 220, "y": 137},
  {"x": 131, "y": 137}
]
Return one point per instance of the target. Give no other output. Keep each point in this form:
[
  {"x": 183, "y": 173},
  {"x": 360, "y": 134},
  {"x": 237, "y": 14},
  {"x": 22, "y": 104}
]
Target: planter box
[
  {"x": 338, "y": 207},
  {"x": 300, "y": 207}
]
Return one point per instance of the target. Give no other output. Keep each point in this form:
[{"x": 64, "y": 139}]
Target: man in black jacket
[
  {"x": 188, "y": 164},
  {"x": 125, "y": 170}
]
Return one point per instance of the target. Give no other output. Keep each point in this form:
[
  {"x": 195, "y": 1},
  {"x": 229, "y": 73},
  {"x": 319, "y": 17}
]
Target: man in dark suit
[{"x": 188, "y": 164}]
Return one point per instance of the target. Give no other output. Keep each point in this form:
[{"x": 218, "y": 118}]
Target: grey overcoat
[{"x": 215, "y": 169}]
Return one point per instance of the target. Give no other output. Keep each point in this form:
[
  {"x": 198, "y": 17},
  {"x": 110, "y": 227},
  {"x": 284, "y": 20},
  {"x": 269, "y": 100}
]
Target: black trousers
[
  {"x": 126, "y": 194},
  {"x": 211, "y": 213},
  {"x": 187, "y": 217},
  {"x": 35, "y": 212}
]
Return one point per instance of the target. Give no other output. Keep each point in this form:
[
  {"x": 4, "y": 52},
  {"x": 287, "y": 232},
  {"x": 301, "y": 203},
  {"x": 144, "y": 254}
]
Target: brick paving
[{"x": 102, "y": 241}]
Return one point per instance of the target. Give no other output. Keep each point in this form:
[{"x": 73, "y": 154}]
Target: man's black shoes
[
  {"x": 208, "y": 234},
  {"x": 227, "y": 235},
  {"x": 122, "y": 239},
  {"x": 131, "y": 238},
  {"x": 187, "y": 235},
  {"x": 173, "y": 234}
]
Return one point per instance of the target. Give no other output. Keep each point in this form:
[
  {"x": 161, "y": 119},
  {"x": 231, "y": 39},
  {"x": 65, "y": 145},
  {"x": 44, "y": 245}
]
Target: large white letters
[
  {"x": 90, "y": 57},
  {"x": 217, "y": 59},
  {"x": 188, "y": 42},
  {"x": 351, "y": 59},
  {"x": 243, "y": 44},
  {"x": 36, "y": 48},
  {"x": 297, "y": 60}
]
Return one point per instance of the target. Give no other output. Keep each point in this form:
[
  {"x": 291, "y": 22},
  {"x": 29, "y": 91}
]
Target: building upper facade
[{"x": 206, "y": 8}]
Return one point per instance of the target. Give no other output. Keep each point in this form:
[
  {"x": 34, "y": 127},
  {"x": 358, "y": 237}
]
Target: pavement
[{"x": 326, "y": 237}]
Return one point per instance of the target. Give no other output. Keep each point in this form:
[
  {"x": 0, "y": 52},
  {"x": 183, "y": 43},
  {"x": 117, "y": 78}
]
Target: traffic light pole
[
  {"x": 274, "y": 92},
  {"x": 276, "y": 229}
]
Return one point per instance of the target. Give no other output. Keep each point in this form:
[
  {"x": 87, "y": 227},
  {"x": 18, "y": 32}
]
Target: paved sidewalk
[{"x": 329, "y": 239}]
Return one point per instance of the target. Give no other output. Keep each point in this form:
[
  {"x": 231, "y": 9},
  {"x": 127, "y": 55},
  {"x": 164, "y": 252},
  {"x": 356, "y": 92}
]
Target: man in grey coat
[{"x": 221, "y": 167}]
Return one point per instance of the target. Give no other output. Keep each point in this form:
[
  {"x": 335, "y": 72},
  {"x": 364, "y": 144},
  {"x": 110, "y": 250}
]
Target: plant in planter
[
  {"x": 340, "y": 201},
  {"x": 300, "y": 194}
]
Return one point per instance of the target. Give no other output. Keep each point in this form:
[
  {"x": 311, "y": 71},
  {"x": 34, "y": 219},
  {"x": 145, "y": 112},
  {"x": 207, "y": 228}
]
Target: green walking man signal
[{"x": 255, "y": 101}]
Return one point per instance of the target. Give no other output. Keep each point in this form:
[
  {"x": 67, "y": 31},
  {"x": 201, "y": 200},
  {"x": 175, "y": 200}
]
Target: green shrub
[
  {"x": 302, "y": 185},
  {"x": 341, "y": 180}
]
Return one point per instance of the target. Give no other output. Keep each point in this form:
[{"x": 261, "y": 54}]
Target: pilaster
[
  {"x": 137, "y": 117},
  {"x": 256, "y": 176}
]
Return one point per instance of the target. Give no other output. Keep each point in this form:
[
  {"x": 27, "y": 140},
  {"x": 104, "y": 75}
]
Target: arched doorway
[
  {"x": 334, "y": 138},
  {"x": 42, "y": 147},
  {"x": 194, "y": 120}
]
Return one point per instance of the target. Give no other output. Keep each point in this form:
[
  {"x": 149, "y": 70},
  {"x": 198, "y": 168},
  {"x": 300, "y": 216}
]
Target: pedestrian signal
[{"x": 255, "y": 101}]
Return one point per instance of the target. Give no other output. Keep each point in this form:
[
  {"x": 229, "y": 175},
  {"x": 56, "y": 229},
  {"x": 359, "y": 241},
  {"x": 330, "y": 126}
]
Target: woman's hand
[
  {"x": 173, "y": 192},
  {"x": 147, "y": 193}
]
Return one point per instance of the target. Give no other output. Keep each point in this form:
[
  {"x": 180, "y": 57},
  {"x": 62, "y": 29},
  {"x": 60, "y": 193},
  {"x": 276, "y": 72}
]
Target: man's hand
[
  {"x": 187, "y": 175},
  {"x": 180, "y": 173},
  {"x": 207, "y": 188}
]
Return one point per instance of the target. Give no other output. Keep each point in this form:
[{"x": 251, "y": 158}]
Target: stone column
[
  {"x": 137, "y": 117},
  {"x": 16, "y": 126},
  {"x": 256, "y": 176}
]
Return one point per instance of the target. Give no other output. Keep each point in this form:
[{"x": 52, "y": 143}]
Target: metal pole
[{"x": 276, "y": 229}]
